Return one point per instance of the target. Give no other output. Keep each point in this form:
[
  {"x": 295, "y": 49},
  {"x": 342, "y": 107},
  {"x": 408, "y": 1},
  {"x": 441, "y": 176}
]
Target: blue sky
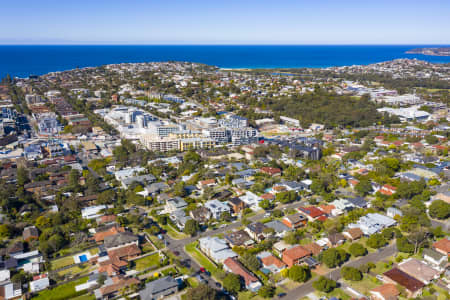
[{"x": 225, "y": 22}]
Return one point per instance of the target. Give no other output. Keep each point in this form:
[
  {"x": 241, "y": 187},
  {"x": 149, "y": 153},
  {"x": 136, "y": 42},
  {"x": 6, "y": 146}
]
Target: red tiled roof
[
  {"x": 272, "y": 260},
  {"x": 314, "y": 248},
  {"x": 100, "y": 236},
  {"x": 387, "y": 290},
  {"x": 311, "y": 211},
  {"x": 270, "y": 170},
  {"x": 296, "y": 252},
  {"x": 127, "y": 251},
  {"x": 400, "y": 277},
  {"x": 268, "y": 196},
  {"x": 236, "y": 267},
  {"x": 443, "y": 245},
  {"x": 327, "y": 208}
]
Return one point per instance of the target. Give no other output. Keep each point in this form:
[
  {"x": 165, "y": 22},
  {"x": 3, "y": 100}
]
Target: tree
[
  {"x": 350, "y": 273},
  {"x": 439, "y": 209},
  {"x": 179, "y": 189},
  {"x": 265, "y": 204},
  {"x": 299, "y": 274},
  {"x": 357, "y": 249},
  {"x": 5, "y": 231},
  {"x": 251, "y": 261},
  {"x": 333, "y": 257},
  {"x": 232, "y": 283},
  {"x": 191, "y": 227},
  {"x": 203, "y": 292},
  {"x": 286, "y": 197},
  {"x": 403, "y": 245},
  {"x": 376, "y": 241},
  {"x": 324, "y": 284},
  {"x": 266, "y": 291},
  {"x": 22, "y": 176},
  {"x": 363, "y": 187}
]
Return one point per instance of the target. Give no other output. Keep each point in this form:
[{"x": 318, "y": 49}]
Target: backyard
[
  {"x": 151, "y": 261},
  {"x": 64, "y": 291}
]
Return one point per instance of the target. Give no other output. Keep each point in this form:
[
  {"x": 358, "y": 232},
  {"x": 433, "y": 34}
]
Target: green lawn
[
  {"x": 364, "y": 286},
  {"x": 158, "y": 243},
  {"x": 94, "y": 251},
  {"x": 192, "y": 282},
  {"x": 201, "y": 259},
  {"x": 85, "y": 297},
  {"x": 147, "y": 262},
  {"x": 62, "y": 262},
  {"x": 338, "y": 293},
  {"x": 380, "y": 268},
  {"x": 76, "y": 270},
  {"x": 61, "y": 292},
  {"x": 175, "y": 234}
]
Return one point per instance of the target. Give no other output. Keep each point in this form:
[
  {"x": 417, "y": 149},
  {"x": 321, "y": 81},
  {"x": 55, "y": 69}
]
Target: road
[
  {"x": 307, "y": 288},
  {"x": 178, "y": 245}
]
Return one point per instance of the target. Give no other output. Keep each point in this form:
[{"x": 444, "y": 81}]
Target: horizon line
[{"x": 223, "y": 44}]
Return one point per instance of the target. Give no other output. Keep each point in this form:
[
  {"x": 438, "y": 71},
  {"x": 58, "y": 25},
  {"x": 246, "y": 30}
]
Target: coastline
[{"x": 23, "y": 61}]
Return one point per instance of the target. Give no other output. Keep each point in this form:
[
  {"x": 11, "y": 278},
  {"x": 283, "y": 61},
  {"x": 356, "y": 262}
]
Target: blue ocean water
[{"x": 22, "y": 60}]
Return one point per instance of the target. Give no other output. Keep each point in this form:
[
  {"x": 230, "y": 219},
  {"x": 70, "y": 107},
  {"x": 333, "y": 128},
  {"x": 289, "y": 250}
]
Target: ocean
[{"x": 22, "y": 61}]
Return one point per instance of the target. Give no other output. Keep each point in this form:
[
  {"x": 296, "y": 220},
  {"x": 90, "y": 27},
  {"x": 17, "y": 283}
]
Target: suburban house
[
  {"x": 336, "y": 239},
  {"x": 111, "y": 288},
  {"x": 373, "y": 223},
  {"x": 201, "y": 215},
  {"x": 280, "y": 246},
  {"x": 418, "y": 270},
  {"x": 314, "y": 248},
  {"x": 92, "y": 212},
  {"x": 279, "y": 228},
  {"x": 271, "y": 262},
  {"x": 105, "y": 231},
  {"x": 206, "y": 183},
  {"x": 159, "y": 288},
  {"x": 387, "y": 291},
  {"x": 353, "y": 234},
  {"x": 388, "y": 190},
  {"x": 442, "y": 246},
  {"x": 436, "y": 259},
  {"x": 251, "y": 200},
  {"x": 234, "y": 266},
  {"x": 174, "y": 204},
  {"x": 270, "y": 171},
  {"x": 236, "y": 204},
  {"x": 294, "y": 255},
  {"x": 120, "y": 239},
  {"x": 180, "y": 218},
  {"x": 393, "y": 211},
  {"x": 30, "y": 233},
  {"x": 39, "y": 283},
  {"x": 412, "y": 285},
  {"x": 217, "y": 249},
  {"x": 239, "y": 238},
  {"x": 312, "y": 213},
  {"x": 217, "y": 208},
  {"x": 257, "y": 231},
  {"x": 294, "y": 221}
]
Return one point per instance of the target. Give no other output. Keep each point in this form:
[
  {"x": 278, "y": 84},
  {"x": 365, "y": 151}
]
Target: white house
[
  {"x": 39, "y": 284},
  {"x": 217, "y": 249},
  {"x": 217, "y": 208},
  {"x": 92, "y": 212},
  {"x": 252, "y": 200}
]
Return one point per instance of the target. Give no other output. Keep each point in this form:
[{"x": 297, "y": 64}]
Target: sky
[{"x": 225, "y": 22}]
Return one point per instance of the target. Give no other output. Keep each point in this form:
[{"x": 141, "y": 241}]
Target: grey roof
[
  {"x": 120, "y": 239},
  {"x": 257, "y": 227},
  {"x": 358, "y": 201},
  {"x": 157, "y": 286},
  {"x": 433, "y": 254},
  {"x": 177, "y": 202},
  {"x": 156, "y": 187},
  {"x": 277, "y": 226}
]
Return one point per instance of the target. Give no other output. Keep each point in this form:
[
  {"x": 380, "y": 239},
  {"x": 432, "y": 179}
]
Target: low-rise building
[
  {"x": 234, "y": 266},
  {"x": 159, "y": 288}
]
